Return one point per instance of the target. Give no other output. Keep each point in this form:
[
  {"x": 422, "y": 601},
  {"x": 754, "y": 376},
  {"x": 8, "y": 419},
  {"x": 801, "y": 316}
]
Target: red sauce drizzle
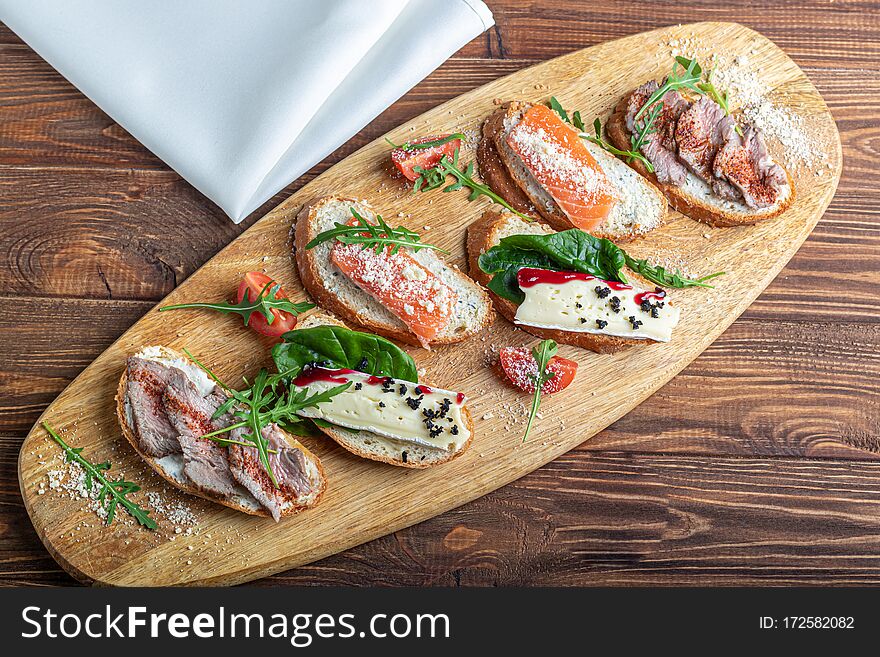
[
  {"x": 529, "y": 277},
  {"x": 656, "y": 295},
  {"x": 313, "y": 374}
]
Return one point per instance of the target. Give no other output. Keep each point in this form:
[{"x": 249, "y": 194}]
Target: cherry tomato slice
[
  {"x": 253, "y": 284},
  {"x": 520, "y": 368},
  {"x": 406, "y": 161}
]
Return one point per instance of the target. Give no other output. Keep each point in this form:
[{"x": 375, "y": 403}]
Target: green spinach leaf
[
  {"x": 339, "y": 347},
  {"x": 573, "y": 250},
  {"x": 570, "y": 250}
]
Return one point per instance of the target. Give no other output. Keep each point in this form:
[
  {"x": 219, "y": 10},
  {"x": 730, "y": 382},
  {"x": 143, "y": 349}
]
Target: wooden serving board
[{"x": 365, "y": 499}]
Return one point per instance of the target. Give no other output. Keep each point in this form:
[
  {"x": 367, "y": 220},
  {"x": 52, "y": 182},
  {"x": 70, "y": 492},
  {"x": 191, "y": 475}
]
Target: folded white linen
[{"x": 240, "y": 98}]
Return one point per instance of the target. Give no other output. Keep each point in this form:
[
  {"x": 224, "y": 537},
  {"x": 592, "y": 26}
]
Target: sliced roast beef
[
  {"x": 723, "y": 189},
  {"x": 699, "y": 135},
  {"x": 205, "y": 461},
  {"x": 659, "y": 147},
  {"x": 288, "y": 465},
  {"x": 745, "y": 163},
  {"x": 147, "y": 381}
]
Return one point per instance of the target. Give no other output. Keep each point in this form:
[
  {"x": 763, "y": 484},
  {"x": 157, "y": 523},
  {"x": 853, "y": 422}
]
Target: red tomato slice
[
  {"x": 406, "y": 161},
  {"x": 521, "y": 368},
  {"x": 253, "y": 284}
]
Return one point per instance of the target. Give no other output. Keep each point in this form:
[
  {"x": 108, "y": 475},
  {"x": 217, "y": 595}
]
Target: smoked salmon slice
[
  {"x": 409, "y": 290},
  {"x": 559, "y": 161}
]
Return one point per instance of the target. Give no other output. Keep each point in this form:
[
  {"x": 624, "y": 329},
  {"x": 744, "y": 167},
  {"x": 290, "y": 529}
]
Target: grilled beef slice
[
  {"x": 205, "y": 462},
  {"x": 288, "y": 465},
  {"x": 660, "y": 147},
  {"x": 147, "y": 380},
  {"x": 744, "y": 162},
  {"x": 699, "y": 135}
]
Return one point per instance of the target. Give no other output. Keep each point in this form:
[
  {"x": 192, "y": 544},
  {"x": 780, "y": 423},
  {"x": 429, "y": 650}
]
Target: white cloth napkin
[{"x": 240, "y": 97}]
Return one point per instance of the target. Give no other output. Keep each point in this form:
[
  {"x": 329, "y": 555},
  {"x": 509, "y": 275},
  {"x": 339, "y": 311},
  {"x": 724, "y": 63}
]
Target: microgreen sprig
[
  {"x": 260, "y": 404},
  {"x": 437, "y": 176},
  {"x": 373, "y": 236},
  {"x": 417, "y": 146},
  {"x": 112, "y": 493},
  {"x": 542, "y": 354},
  {"x": 263, "y": 304}
]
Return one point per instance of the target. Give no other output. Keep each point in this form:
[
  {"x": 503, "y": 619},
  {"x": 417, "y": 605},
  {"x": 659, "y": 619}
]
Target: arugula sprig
[
  {"x": 686, "y": 74},
  {"x": 542, "y": 354},
  {"x": 660, "y": 276},
  {"x": 463, "y": 177},
  {"x": 263, "y": 402},
  {"x": 263, "y": 304},
  {"x": 373, "y": 236},
  {"x": 112, "y": 492},
  {"x": 416, "y": 146},
  {"x": 637, "y": 141}
]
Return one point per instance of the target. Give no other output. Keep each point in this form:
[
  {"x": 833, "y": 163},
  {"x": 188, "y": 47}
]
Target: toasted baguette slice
[
  {"x": 641, "y": 207},
  {"x": 372, "y": 446},
  {"x": 171, "y": 467},
  {"x": 490, "y": 229},
  {"x": 336, "y": 292},
  {"x": 695, "y": 198}
]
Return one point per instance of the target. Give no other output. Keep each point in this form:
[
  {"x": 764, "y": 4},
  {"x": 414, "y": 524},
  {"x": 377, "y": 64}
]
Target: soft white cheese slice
[
  {"x": 383, "y": 409},
  {"x": 569, "y": 301}
]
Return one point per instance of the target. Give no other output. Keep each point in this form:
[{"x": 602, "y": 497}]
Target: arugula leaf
[
  {"x": 556, "y": 106},
  {"x": 542, "y": 354},
  {"x": 463, "y": 178},
  {"x": 112, "y": 492},
  {"x": 373, "y": 236},
  {"x": 263, "y": 304},
  {"x": 261, "y": 404},
  {"x": 686, "y": 74},
  {"x": 411, "y": 146},
  {"x": 339, "y": 347},
  {"x": 659, "y": 275}
]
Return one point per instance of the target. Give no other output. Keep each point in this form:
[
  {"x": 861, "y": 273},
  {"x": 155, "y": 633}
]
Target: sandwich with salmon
[
  {"x": 539, "y": 164},
  {"x": 384, "y": 279},
  {"x": 567, "y": 286},
  {"x": 712, "y": 165},
  {"x": 186, "y": 426},
  {"x": 383, "y": 413}
]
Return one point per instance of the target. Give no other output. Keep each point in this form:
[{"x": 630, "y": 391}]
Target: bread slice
[
  {"x": 170, "y": 467},
  {"x": 487, "y": 232},
  {"x": 695, "y": 198},
  {"x": 334, "y": 291},
  {"x": 372, "y": 446},
  {"x": 641, "y": 207},
  {"x": 495, "y": 174}
]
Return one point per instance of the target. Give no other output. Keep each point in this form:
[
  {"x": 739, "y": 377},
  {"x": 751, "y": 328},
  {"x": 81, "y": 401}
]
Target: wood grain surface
[{"x": 77, "y": 258}]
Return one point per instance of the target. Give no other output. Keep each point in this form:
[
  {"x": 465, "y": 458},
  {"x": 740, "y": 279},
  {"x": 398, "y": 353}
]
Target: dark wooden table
[{"x": 759, "y": 464}]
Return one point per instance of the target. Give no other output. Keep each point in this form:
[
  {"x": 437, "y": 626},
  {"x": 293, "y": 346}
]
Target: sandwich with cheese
[
  {"x": 385, "y": 413},
  {"x": 566, "y": 286}
]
